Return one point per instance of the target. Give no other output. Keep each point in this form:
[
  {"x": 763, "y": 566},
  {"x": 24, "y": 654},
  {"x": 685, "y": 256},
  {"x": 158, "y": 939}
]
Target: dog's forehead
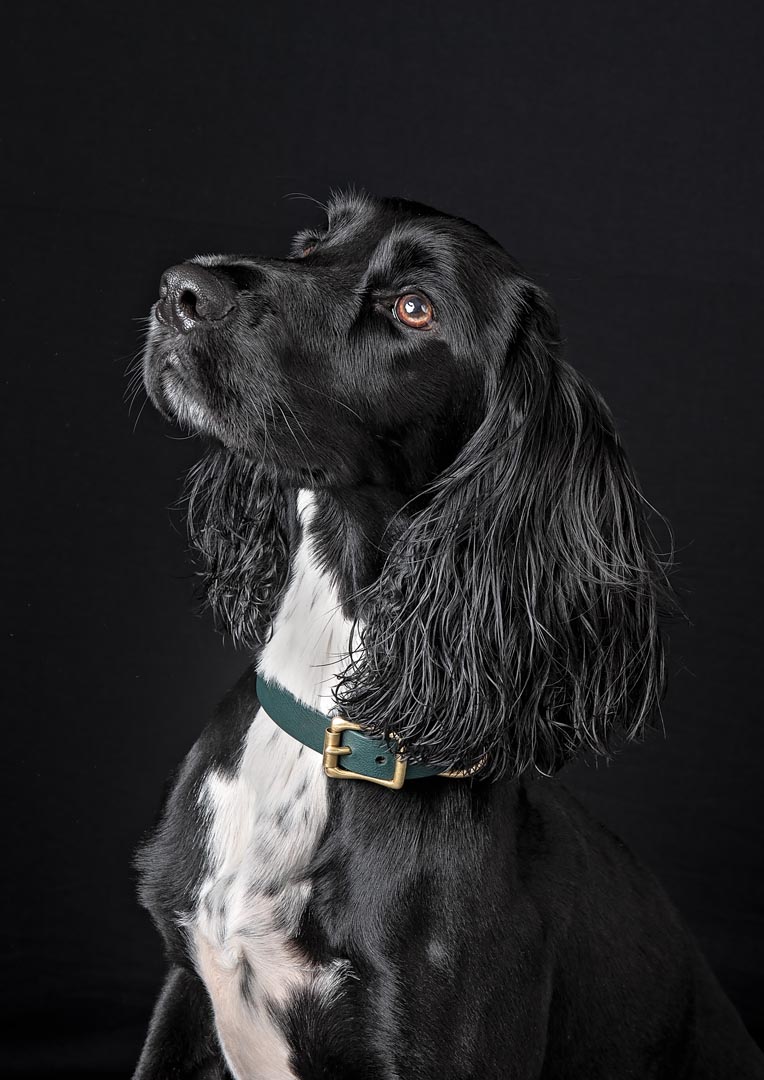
[
  {"x": 380, "y": 228},
  {"x": 346, "y": 210}
]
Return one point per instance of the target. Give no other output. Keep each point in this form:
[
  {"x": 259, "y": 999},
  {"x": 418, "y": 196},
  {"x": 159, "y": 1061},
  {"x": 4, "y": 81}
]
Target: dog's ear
[
  {"x": 516, "y": 620},
  {"x": 237, "y": 522}
]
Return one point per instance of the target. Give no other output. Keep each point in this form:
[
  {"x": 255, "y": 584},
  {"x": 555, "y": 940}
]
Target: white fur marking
[
  {"x": 311, "y": 636},
  {"x": 264, "y": 824}
]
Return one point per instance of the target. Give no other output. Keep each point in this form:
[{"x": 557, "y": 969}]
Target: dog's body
[{"x": 458, "y": 928}]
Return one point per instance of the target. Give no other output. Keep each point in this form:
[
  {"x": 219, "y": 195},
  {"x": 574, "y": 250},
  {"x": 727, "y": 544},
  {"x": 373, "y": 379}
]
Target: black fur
[
  {"x": 237, "y": 523},
  {"x": 476, "y": 508},
  {"x": 527, "y": 587}
]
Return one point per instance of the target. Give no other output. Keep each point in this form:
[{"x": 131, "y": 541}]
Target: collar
[{"x": 336, "y": 738}]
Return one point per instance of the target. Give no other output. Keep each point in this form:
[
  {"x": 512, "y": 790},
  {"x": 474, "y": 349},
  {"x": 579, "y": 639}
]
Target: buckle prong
[{"x": 334, "y": 749}]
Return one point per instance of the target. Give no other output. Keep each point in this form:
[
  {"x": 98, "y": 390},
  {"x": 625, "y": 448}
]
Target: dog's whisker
[
  {"x": 292, "y": 413},
  {"x": 297, "y": 442},
  {"x": 307, "y": 198},
  {"x": 322, "y": 393},
  {"x": 140, "y": 413}
]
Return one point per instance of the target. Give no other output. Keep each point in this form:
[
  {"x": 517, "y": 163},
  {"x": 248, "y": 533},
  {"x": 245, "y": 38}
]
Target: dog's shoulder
[
  {"x": 596, "y": 890},
  {"x": 172, "y": 860},
  {"x": 553, "y": 820}
]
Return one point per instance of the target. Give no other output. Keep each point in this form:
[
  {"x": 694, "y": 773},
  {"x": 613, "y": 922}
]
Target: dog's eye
[
  {"x": 308, "y": 249},
  {"x": 413, "y": 309}
]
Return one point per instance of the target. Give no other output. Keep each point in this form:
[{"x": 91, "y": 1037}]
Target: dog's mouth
[
  {"x": 171, "y": 380},
  {"x": 175, "y": 385},
  {"x": 186, "y": 329},
  {"x": 159, "y": 311},
  {"x": 189, "y": 381}
]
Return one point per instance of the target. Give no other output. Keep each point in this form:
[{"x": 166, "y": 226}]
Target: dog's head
[
  {"x": 515, "y": 617},
  {"x": 365, "y": 357}
]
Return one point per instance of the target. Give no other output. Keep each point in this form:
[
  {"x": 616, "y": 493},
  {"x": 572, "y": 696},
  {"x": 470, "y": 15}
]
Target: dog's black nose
[{"x": 190, "y": 296}]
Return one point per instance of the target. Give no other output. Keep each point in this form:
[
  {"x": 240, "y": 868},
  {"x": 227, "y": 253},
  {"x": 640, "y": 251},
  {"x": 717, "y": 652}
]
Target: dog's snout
[{"x": 190, "y": 296}]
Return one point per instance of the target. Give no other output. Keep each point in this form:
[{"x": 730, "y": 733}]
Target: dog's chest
[{"x": 264, "y": 823}]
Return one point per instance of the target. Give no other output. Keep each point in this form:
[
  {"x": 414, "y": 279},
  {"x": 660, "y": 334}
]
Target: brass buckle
[{"x": 334, "y": 750}]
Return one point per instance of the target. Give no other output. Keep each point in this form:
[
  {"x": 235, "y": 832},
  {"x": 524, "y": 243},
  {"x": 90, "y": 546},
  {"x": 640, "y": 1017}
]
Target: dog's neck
[{"x": 339, "y": 549}]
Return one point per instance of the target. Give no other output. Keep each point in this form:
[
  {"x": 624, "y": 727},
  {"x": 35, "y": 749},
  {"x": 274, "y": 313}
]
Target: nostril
[
  {"x": 190, "y": 294},
  {"x": 187, "y": 301}
]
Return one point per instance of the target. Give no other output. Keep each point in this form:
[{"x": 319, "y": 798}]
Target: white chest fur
[{"x": 264, "y": 823}]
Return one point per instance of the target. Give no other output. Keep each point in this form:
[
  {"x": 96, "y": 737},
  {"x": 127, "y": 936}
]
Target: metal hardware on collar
[
  {"x": 369, "y": 757},
  {"x": 462, "y": 774},
  {"x": 333, "y": 749}
]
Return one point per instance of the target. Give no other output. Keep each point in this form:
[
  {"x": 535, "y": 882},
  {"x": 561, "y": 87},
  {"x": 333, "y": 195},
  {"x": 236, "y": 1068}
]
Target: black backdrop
[{"x": 614, "y": 149}]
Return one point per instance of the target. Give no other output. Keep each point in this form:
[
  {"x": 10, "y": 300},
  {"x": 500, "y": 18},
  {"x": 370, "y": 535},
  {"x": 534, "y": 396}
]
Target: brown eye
[
  {"x": 415, "y": 310},
  {"x": 308, "y": 249}
]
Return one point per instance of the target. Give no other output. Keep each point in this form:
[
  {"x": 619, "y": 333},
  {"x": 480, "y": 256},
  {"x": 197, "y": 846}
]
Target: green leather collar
[{"x": 348, "y": 753}]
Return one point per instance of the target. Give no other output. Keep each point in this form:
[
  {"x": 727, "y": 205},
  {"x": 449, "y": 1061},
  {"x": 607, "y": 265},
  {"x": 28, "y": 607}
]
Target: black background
[{"x": 614, "y": 149}]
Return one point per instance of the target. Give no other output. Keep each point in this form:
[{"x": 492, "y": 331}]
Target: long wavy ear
[
  {"x": 516, "y": 618},
  {"x": 237, "y": 522}
]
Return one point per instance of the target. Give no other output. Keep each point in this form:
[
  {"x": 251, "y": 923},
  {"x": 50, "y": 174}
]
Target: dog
[{"x": 421, "y": 523}]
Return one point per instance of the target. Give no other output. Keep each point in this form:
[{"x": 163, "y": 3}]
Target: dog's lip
[
  {"x": 159, "y": 312},
  {"x": 171, "y": 362},
  {"x": 171, "y": 388},
  {"x": 166, "y": 369}
]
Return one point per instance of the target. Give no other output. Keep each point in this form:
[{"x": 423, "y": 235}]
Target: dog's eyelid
[{"x": 390, "y": 293}]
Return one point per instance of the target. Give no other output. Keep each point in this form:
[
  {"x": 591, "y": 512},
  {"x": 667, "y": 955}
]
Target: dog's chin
[
  {"x": 172, "y": 391},
  {"x": 177, "y": 401},
  {"x": 188, "y": 411}
]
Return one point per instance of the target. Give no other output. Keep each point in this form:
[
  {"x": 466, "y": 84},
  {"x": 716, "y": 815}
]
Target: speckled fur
[{"x": 263, "y": 825}]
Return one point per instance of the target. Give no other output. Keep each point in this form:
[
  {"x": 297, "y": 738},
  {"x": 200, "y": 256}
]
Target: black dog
[{"x": 415, "y": 511}]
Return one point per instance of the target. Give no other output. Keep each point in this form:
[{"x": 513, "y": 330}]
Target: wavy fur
[
  {"x": 516, "y": 619},
  {"x": 237, "y": 524},
  {"x": 474, "y": 502}
]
